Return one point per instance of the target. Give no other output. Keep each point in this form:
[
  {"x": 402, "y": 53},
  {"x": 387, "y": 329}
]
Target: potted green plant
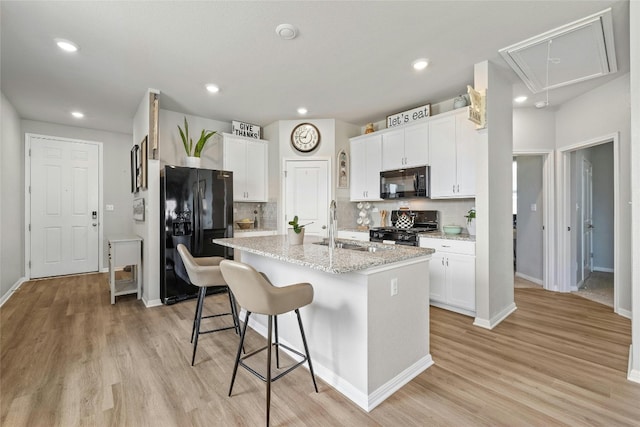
[
  {"x": 296, "y": 232},
  {"x": 193, "y": 150},
  {"x": 471, "y": 221}
]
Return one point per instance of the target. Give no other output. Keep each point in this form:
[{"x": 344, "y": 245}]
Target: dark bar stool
[
  {"x": 256, "y": 294},
  {"x": 204, "y": 272}
]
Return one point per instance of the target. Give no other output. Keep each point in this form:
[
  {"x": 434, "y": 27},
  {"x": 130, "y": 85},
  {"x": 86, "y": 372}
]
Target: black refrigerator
[{"x": 196, "y": 207}]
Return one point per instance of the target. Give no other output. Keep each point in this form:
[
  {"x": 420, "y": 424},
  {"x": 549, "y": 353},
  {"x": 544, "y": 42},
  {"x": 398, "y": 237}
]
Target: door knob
[{"x": 324, "y": 227}]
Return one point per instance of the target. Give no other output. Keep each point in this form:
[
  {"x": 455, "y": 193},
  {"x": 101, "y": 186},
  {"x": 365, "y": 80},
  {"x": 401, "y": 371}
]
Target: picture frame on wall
[
  {"x": 138, "y": 209},
  {"x": 134, "y": 169},
  {"x": 343, "y": 169},
  {"x": 144, "y": 157}
]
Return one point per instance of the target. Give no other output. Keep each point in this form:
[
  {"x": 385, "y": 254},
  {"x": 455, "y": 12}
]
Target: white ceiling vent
[{"x": 575, "y": 52}]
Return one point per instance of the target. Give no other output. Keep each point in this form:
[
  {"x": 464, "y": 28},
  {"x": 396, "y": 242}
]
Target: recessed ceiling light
[
  {"x": 302, "y": 111},
  {"x": 77, "y": 114},
  {"x": 213, "y": 88},
  {"x": 286, "y": 31},
  {"x": 66, "y": 45},
  {"x": 520, "y": 99},
  {"x": 420, "y": 64}
]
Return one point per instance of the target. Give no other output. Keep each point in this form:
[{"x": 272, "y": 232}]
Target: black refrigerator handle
[{"x": 200, "y": 230}]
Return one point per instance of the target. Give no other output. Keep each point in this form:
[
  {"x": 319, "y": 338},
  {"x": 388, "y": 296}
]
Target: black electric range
[{"x": 406, "y": 227}]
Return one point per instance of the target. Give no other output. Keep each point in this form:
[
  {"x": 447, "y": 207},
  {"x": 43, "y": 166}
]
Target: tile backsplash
[
  {"x": 451, "y": 211},
  {"x": 264, "y": 212}
]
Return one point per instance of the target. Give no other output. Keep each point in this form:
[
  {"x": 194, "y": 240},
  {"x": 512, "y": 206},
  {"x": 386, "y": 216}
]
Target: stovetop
[{"x": 406, "y": 230}]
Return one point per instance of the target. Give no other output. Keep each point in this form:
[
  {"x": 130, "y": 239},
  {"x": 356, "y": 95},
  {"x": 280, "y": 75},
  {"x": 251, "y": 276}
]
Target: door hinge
[
  {"x": 29, "y": 227},
  {"x": 285, "y": 174},
  {"x": 29, "y": 189},
  {"x": 29, "y": 152},
  {"x": 29, "y": 263},
  {"x": 543, "y": 227}
]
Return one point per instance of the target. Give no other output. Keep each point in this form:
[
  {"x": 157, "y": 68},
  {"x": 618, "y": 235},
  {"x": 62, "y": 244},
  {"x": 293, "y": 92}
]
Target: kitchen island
[{"x": 368, "y": 325}]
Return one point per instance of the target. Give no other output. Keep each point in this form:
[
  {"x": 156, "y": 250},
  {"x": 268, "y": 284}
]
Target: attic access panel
[{"x": 575, "y": 52}]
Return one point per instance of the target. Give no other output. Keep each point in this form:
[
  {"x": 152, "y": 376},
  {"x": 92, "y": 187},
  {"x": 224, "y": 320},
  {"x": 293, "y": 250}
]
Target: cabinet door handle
[
  {"x": 458, "y": 188},
  {"x": 442, "y": 261},
  {"x": 447, "y": 262}
]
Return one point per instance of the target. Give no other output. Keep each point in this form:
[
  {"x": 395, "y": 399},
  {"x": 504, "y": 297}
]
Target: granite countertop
[
  {"x": 248, "y": 230},
  {"x": 317, "y": 256},
  {"x": 441, "y": 235}
]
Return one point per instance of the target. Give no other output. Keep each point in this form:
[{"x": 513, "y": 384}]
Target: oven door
[{"x": 405, "y": 183}]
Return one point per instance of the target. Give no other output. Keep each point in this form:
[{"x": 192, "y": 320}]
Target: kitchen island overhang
[{"x": 368, "y": 326}]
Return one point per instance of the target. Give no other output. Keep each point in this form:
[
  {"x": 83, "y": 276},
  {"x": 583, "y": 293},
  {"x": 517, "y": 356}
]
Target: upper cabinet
[
  {"x": 405, "y": 147},
  {"x": 247, "y": 159},
  {"x": 453, "y": 143},
  {"x": 366, "y": 163}
]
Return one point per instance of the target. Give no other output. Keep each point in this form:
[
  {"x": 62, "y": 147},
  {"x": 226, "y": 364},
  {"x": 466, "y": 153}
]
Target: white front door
[
  {"x": 64, "y": 207},
  {"x": 307, "y": 194},
  {"x": 587, "y": 219}
]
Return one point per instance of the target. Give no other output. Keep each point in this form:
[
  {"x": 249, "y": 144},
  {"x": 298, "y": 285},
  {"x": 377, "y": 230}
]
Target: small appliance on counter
[{"x": 406, "y": 226}]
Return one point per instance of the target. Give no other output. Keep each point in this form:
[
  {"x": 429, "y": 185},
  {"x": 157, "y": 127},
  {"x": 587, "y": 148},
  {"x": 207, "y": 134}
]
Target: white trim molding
[
  {"x": 497, "y": 319},
  {"x": 633, "y": 374},
  {"x": 529, "y": 278},
  {"x": 13, "y": 288}
]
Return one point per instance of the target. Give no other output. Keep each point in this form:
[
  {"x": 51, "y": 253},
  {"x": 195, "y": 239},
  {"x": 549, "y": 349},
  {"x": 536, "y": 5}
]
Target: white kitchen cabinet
[
  {"x": 247, "y": 159},
  {"x": 452, "y": 277},
  {"x": 366, "y": 163},
  {"x": 453, "y": 144},
  {"x": 407, "y": 146}
]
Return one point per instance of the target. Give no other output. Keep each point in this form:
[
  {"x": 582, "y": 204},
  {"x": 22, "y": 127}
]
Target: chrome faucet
[{"x": 333, "y": 224}]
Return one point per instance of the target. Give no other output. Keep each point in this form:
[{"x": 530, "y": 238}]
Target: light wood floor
[{"x": 68, "y": 357}]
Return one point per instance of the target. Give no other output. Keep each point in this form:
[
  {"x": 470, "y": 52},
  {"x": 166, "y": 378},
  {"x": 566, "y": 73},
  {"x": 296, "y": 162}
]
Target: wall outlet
[
  {"x": 394, "y": 286},
  {"x": 534, "y": 207},
  {"x": 109, "y": 207}
]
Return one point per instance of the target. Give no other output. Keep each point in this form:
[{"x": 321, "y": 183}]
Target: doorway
[
  {"x": 306, "y": 193},
  {"x": 533, "y": 222},
  {"x": 63, "y": 234},
  {"x": 588, "y": 237}
]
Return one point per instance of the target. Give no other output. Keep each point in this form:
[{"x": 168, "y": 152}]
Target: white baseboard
[
  {"x": 632, "y": 374},
  {"x": 366, "y": 402},
  {"x": 529, "y": 278},
  {"x": 624, "y": 313},
  {"x": 152, "y": 303},
  {"x": 13, "y": 288},
  {"x": 104, "y": 270},
  {"x": 603, "y": 269},
  {"x": 453, "y": 308},
  {"x": 495, "y": 320}
]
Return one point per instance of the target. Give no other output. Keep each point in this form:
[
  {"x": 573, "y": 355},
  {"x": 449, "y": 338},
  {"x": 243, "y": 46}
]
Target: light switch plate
[{"x": 109, "y": 207}]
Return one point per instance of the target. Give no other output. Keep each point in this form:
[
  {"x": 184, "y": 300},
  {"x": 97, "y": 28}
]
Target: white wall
[
  {"x": 529, "y": 225},
  {"x": 603, "y": 111},
  {"x": 171, "y": 148},
  {"x": 494, "y": 230},
  {"x": 602, "y": 160},
  {"x": 534, "y": 129},
  {"x": 116, "y": 176},
  {"x": 11, "y": 199},
  {"x": 634, "y": 13}
]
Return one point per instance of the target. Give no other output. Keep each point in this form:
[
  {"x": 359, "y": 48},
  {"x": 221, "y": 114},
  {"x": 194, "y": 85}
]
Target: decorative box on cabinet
[
  {"x": 453, "y": 143},
  {"x": 247, "y": 158},
  {"x": 452, "y": 277},
  {"x": 123, "y": 252},
  {"x": 406, "y": 146},
  {"x": 366, "y": 161}
]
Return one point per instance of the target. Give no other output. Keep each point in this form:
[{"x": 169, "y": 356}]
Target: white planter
[
  {"x": 295, "y": 238},
  {"x": 192, "y": 162},
  {"x": 471, "y": 227}
]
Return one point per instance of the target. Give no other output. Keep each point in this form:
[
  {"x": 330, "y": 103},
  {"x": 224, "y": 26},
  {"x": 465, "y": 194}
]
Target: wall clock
[{"x": 305, "y": 137}]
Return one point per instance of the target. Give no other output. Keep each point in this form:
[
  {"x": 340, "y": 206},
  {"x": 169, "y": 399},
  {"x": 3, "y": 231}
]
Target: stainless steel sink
[{"x": 353, "y": 247}]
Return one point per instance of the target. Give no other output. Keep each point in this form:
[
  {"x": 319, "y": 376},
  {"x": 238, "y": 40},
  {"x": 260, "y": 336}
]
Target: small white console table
[{"x": 125, "y": 251}]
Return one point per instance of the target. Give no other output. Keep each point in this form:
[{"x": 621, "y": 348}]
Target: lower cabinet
[{"x": 452, "y": 278}]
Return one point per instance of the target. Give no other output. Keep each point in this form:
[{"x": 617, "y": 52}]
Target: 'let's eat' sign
[{"x": 409, "y": 116}]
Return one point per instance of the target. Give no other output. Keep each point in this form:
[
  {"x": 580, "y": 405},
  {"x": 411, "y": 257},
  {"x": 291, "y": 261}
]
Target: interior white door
[
  {"x": 64, "y": 207},
  {"x": 587, "y": 219},
  {"x": 307, "y": 194}
]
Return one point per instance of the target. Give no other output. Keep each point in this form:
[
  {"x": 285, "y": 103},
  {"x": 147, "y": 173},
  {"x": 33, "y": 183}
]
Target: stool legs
[
  {"x": 306, "y": 350},
  {"x": 272, "y": 322},
  {"x": 194, "y": 336}
]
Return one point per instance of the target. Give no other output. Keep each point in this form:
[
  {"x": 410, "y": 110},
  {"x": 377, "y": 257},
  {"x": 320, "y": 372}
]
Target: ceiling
[{"x": 351, "y": 60}]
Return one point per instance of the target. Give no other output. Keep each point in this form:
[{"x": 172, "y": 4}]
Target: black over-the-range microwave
[{"x": 405, "y": 183}]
